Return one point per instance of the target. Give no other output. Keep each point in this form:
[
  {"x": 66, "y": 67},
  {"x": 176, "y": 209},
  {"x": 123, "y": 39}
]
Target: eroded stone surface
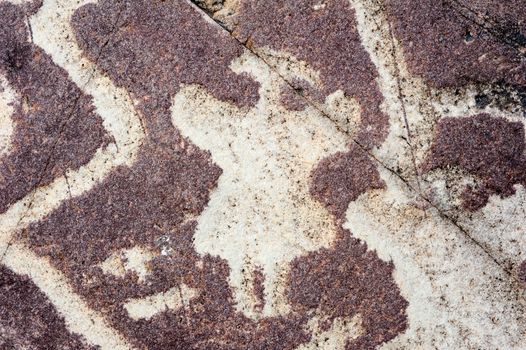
[{"x": 364, "y": 288}]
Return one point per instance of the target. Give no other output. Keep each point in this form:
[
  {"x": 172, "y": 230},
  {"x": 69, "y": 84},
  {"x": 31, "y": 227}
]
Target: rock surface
[{"x": 243, "y": 174}]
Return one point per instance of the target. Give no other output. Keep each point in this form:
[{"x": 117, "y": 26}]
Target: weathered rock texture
[{"x": 246, "y": 174}]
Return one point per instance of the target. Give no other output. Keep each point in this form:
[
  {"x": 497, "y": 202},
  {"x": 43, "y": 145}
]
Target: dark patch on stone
[
  {"x": 503, "y": 97},
  {"x": 490, "y": 148},
  {"x": 134, "y": 206},
  {"x": 28, "y": 320},
  {"x": 342, "y": 177},
  {"x": 432, "y": 34},
  {"x": 522, "y": 97},
  {"x": 468, "y": 37},
  {"x": 55, "y": 126},
  {"x": 522, "y": 272},
  {"x": 482, "y": 101},
  {"x": 346, "y": 280},
  {"x": 259, "y": 288},
  {"x": 291, "y": 99},
  {"x": 328, "y": 40}
]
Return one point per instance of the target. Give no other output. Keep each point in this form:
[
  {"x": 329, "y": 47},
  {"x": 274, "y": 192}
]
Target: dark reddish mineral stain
[
  {"x": 347, "y": 279},
  {"x": 490, "y": 148},
  {"x": 522, "y": 272},
  {"x": 328, "y": 40},
  {"x": 259, "y": 288},
  {"x": 339, "y": 179},
  {"x": 455, "y": 42},
  {"x": 55, "y": 127},
  {"x": 28, "y": 320}
]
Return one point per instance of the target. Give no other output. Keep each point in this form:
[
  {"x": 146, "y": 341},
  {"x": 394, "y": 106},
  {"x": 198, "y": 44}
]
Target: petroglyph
[{"x": 261, "y": 210}]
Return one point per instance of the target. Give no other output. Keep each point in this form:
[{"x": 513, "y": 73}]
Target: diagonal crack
[
  {"x": 446, "y": 217},
  {"x": 404, "y": 112},
  {"x": 417, "y": 190},
  {"x": 61, "y": 131}
]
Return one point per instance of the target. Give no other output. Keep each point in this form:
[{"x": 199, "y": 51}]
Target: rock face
[
  {"x": 492, "y": 149},
  {"x": 243, "y": 174}
]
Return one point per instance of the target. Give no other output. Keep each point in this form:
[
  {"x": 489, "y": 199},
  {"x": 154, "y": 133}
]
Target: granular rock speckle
[
  {"x": 433, "y": 36},
  {"x": 490, "y": 148},
  {"x": 55, "y": 125},
  {"x": 343, "y": 177}
]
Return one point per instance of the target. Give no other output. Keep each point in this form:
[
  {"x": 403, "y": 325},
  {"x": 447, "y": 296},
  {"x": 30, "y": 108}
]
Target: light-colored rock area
[
  {"x": 172, "y": 299},
  {"x": 341, "y": 330},
  {"x": 458, "y": 296}
]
